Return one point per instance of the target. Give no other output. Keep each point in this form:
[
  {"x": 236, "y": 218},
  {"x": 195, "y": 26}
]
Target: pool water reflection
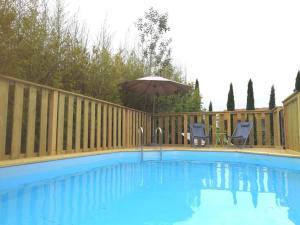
[{"x": 159, "y": 193}]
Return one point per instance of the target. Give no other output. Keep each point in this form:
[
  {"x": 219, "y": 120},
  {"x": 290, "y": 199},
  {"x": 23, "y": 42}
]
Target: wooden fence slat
[
  {"x": 235, "y": 120},
  {"x": 213, "y": 129},
  {"x": 199, "y": 118},
  {"x": 17, "y": 121},
  {"x": 251, "y": 137},
  {"x": 167, "y": 128},
  {"x": 52, "y": 122},
  {"x": 109, "y": 130},
  {"x": 98, "y": 142},
  {"x": 114, "y": 127},
  {"x": 78, "y": 124},
  {"x": 126, "y": 137},
  {"x": 30, "y": 135},
  {"x": 60, "y": 123},
  {"x": 138, "y": 124},
  {"x": 160, "y": 136},
  {"x": 85, "y": 124},
  {"x": 149, "y": 129},
  {"x": 43, "y": 123},
  {"x": 119, "y": 127},
  {"x": 259, "y": 128},
  {"x": 185, "y": 129},
  {"x": 173, "y": 131},
  {"x": 192, "y": 120},
  {"x": 92, "y": 127},
  {"x": 130, "y": 128},
  {"x": 4, "y": 87},
  {"x": 135, "y": 124},
  {"x": 179, "y": 131},
  {"x": 124, "y": 128},
  {"x": 296, "y": 133},
  {"x": 104, "y": 130},
  {"x": 207, "y": 125},
  {"x": 267, "y": 129},
  {"x": 243, "y": 117},
  {"x": 70, "y": 123},
  {"x": 276, "y": 122},
  {"x": 228, "y": 123},
  {"x": 221, "y": 129}
]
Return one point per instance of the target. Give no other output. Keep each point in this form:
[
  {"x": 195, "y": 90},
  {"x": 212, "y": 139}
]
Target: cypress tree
[
  {"x": 272, "y": 102},
  {"x": 250, "y": 96},
  {"x": 297, "y": 84},
  {"x": 195, "y": 104},
  {"x": 210, "y": 108},
  {"x": 197, "y": 85},
  {"x": 230, "y": 99}
]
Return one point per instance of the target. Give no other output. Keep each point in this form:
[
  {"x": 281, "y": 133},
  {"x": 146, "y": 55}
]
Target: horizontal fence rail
[
  {"x": 219, "y": 126},
  {"x": 37, "y": 120}
]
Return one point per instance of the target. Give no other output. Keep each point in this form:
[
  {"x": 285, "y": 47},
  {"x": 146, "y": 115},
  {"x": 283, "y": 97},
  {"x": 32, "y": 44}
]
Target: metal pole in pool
[
  {"x": 160, "y": 149},
  {"x": 141, "y": 132}
]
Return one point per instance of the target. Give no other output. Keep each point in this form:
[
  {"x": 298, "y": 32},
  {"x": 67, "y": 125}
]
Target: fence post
[
  {"x": 52, "y": 122},
  {"x": 185, "y": 128},
  {"x": 3, "y": 116},
  {"x": 30, "y": 136}
]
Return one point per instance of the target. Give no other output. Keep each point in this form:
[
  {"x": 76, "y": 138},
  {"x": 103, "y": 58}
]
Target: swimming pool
[{"x": 185, "y": 188}]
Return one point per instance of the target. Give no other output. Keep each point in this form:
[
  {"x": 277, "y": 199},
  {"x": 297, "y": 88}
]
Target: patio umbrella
[{"x": 155, "y": 85}]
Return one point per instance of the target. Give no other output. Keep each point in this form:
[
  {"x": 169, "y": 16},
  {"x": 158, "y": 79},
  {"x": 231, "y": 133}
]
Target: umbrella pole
[{"x": 153, "y": 128}]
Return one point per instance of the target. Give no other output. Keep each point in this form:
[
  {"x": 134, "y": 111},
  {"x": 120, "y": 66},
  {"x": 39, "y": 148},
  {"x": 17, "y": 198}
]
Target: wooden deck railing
[
  {"x": 291, "y": 107},
  {"x": 37, "y": 120},
  {"x": 219, "y": 125}
]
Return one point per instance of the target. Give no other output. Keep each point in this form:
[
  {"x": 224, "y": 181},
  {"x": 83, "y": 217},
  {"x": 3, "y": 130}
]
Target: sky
[{"x": 216, "y": 41}]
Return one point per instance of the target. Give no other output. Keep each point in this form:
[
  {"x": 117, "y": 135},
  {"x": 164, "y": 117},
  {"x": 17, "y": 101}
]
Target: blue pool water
[{"x": 185, "y": 188}]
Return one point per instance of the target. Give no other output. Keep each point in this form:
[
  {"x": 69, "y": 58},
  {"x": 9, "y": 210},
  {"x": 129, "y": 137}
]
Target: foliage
[
  {"x": 272, "y": 102},
  {"x": 297, "y": 84},
  {"x": 195, "y": 100},
  {"x": 51, "y": 47},
  {"x": 250, "y": 96},
  {"x": 210, "y": 108},
  {"x": 155, "y": 45},
  {"x": 230, "y": 99}
]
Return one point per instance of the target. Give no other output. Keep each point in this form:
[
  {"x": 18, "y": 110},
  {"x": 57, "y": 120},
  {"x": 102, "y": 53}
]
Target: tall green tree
[
  {"x": 210, "y": 107},
  {"x": 272, "y": 102},
  {"x": 197, "y": 84},
  {"x": 153, "y": 29},
  {"x": 250, "y": 96},
  {"x": 230, "y": 99},
  {"x": 272, "y": 105},
  {"x": 195, "y": 100},
  {"x": 297, "y": 83}
]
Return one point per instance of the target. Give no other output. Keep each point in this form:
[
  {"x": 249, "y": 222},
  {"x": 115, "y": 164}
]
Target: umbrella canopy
[{"x": 155, "y": 85}]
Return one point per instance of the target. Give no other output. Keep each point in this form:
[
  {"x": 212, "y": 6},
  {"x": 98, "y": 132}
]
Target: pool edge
[{"x": 255, "y": 151}]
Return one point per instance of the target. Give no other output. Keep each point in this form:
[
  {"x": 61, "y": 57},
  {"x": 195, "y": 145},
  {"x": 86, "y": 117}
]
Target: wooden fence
[
  {"x": 219, "y": 125},
  {"x": 37, "y": 120},
  {"x": 291, "y": 107}
]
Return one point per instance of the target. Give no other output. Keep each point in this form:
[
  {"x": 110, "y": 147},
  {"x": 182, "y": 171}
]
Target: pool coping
[{"x": 258, "y": 151}]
